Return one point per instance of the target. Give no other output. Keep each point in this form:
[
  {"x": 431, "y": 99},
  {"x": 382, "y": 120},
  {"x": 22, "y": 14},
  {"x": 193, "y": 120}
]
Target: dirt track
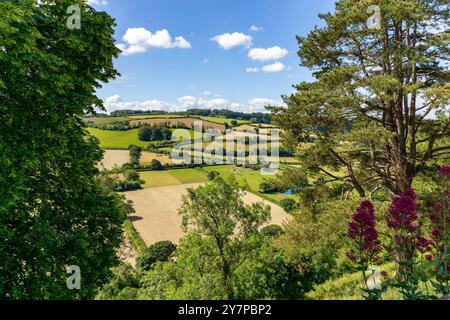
[{"x": 157, "y": 219}]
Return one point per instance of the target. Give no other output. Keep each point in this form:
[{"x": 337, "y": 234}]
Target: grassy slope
[
  {"x": 223, "y": 120},
  {"x": 249, "y": 178},
  {"x": 156, "y": 116},
  {"x": 117, "y": 139},
  {"x": 171, "y": 177}
]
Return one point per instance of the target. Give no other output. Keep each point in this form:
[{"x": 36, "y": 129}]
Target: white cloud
[
  {"x": 114, "y": 103},
  {"x": 138, "y": 40},
  {"x": 147, "y": 105},
  {"x": 97, "y": 2},
  {"x": 231, "y": 40},
  {"x": 263, "y": 102},
  {"x": 205, "y": 93},
  {"x": 276, "y": 67},
  {"x": 252, "y": 70},
  {"x": 255, "y": 28},
  {"x": 206, "y": 61},
  {"x": 190, "y": 102},
  {"x": 262, "y": 54},
  {"x": 113, "y": 99}
]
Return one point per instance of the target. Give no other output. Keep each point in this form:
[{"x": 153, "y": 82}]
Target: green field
[
  {"x": 117, "y": 139},
  {"x": 223, "y": 120},
  {"x": 106, "y": 120},
  {"x": 172, "y": 177},
  {"x": 156, "y": 116},
  {"x": 250, "y": 179}
]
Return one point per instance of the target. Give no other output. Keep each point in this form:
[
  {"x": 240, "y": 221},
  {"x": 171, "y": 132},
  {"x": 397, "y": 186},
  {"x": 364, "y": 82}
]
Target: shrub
[
  {"x": 156, "y": 165},
  {"x": 158, "y": 252},
  {"x": 212, "y": 175},
  {"x": 289, "y": 205},
  {"x": 267, "y": 187},
  {"x": 272, "y": 231},
  {"x": 145, "y": 133}
]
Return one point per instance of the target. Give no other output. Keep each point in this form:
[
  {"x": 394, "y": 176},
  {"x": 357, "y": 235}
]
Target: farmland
[
  {"x": 117, "y": 139},
  {"x": 188, "y": 122},
  {"x": 157, "y": 219},
  {"x": 114, "y": 158},
  {"x": 172, "y": 177}
]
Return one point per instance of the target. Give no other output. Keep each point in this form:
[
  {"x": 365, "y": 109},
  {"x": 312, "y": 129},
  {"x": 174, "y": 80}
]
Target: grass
[
  {"x": 172, "y": 177},
  {"x": 223, "y": 120},
  {"x": 106, "y": 120},
  {"x": 249, "y": 179},
  {"x": 156, "y": 116},
  {"x": 117, "y": 139},
  {"x": 186, "y": 176},
  {"x": 158, "y": 179},
  {"x": 136, "y": 241}
]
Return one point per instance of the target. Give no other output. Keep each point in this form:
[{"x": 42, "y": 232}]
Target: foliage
[
  {"x": 137, "y": 242},
  {"x": 55, "y": 211},
  {"x": 272, "y": 231},
  {"x": 212, "y": 175},
  {"x": 224, "y": 227},
  {"x": 131, "y": 182},
  {"x": 123, "y": 284},
  {"x": 289, "y": 205},
  {"x": 155, "y": 133},
  {"x": 156, "y": 165},
  {"x": 135, "y": 154},
  {"x": 267, "y": 187},
  {"x": 407, "y": 243},
  {"x": 373, "y": 91},
  {"x": 158, "y": 252}
]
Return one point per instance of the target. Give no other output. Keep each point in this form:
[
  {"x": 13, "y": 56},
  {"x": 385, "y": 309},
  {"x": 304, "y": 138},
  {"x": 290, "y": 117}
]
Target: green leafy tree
[
  {"x": 55, "y": 211},
  {"x": 160, "y": 251},
  {"x": 288, "y": 205},
  {"x": 145, "y": 133},
  {"x": 375, "y": 90},
  {"x": 225, "y": 228}
]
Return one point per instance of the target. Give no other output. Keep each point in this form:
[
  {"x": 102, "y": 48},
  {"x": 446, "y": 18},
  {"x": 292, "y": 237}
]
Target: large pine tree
[{"x": 379, "y": 107}]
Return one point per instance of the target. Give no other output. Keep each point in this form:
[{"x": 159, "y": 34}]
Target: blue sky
[{"x": 182, "y": 54}]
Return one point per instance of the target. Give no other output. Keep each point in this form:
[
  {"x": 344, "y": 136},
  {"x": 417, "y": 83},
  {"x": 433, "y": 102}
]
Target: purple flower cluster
[
  {"x": 444, "y": 172},
  {"x": 440, "y": 220},
  {"x": 403, "y": 212},
  {"x": 362, "y": 229}
]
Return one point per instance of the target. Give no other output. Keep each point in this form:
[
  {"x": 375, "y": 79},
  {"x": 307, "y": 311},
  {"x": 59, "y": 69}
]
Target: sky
[{"x": 224, "y": 54}]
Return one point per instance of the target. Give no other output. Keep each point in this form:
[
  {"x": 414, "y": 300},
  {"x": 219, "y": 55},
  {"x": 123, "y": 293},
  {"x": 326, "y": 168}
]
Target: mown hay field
[{"x": 156, "y": 218}]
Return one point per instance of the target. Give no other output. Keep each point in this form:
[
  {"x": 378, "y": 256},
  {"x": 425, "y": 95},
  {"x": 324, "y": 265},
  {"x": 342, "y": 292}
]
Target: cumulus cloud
[
  {"x": 263, "y": 102},
  {"x": 97, "y": 2},
  {"x": 147, "y": 105},
  {"x": 114, "y": 103},
  {"x": 252, "y": 70},
  {"x": 139, "y": 40},
  {"x": 255, "y": 28},
  {"x": 190, "y": 102},
  {"x": 113, "y": 99},
  {"x": 276, "y": 67},
  {"x": 231, "y": 40},
  {"x": 262, "y": 54}
]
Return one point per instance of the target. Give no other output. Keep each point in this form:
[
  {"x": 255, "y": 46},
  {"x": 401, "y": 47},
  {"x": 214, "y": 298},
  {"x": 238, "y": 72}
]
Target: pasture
[
  {"x": 188, "y": 122},
  {"x": 117, "y": 139},
  {"x": 172, "y": 177}
]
